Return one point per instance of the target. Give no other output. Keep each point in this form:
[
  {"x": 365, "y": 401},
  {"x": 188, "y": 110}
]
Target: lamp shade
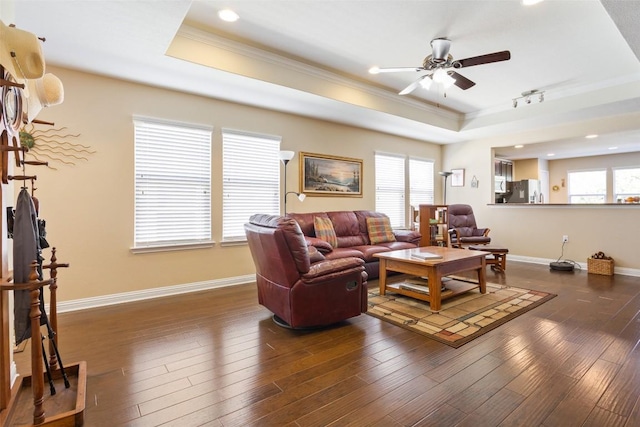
[{"x": 286, "y": 155}]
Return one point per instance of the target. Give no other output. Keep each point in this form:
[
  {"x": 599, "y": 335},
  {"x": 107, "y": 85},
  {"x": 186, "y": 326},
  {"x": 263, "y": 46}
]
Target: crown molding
[{"x": 315, "y": 73}]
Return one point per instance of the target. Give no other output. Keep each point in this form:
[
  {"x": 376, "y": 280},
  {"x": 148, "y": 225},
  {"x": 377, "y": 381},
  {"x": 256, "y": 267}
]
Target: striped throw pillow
[
  {"x": 324, "y": 230},
  {"x": 380, "y": 230}
]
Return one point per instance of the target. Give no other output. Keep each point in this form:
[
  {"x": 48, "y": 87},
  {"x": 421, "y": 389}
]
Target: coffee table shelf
[{"x": 452, "y": 288}]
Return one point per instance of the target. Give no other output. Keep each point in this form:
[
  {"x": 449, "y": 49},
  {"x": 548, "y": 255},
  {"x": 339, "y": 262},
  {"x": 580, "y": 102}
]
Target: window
[
  {"x": 626, "y": 184},
  {"x": 588, "y": 186},
  {"x": 172, "y": 184},
  {"x": 390, "y": 188},
  {"x": 250, "y": 179},
  {"x": 420, "y": 182}
]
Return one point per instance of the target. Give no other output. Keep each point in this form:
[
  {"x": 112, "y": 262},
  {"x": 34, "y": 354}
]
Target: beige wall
[
  {"x": 525, "y": 169},
  {"x": 89, "y": 207},
  {"x": 535, "y": 231}
]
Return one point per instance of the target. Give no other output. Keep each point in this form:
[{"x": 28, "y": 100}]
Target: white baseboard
[
  {"x": 105, "y": 300},
  {"x": 583, "y": 265}
]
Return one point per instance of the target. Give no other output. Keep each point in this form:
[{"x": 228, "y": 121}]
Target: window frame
[
  {"x": 430, "y": 193},
  {"x": 163, "y": 153},
  {"x": 232, "y": 220},
  {"x": 408, "y": 185},
  {"x": 621, "y": 197},
  {"x": 571, "y": 195},
  {"x": 383, "y": 186}
]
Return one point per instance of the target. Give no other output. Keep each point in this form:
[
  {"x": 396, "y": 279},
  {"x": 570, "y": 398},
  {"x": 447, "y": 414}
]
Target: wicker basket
[{"x": 600, "y": 266}]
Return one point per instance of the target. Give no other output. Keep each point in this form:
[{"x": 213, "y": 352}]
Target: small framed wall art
[{"x": 457, "y": 177}]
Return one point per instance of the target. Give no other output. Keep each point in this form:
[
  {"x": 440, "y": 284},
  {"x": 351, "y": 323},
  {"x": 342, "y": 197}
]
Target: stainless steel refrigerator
[{"x": 524, "y": 191}]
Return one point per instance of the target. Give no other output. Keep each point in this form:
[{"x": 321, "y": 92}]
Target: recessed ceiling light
[
  {"x": 593, "y": 135},
  {"x": 530, "y": 2},
  {"x": 518, "y": 146},
  {"x": 550, "y": 154},
  {"x": 228, "y": 15},
  {"x": 613, "y": 148}
]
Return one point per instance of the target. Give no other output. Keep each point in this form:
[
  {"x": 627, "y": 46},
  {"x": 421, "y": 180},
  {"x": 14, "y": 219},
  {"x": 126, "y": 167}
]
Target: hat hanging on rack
[
  {"x": 43, "y": 92},
  {"x": 20, "y": 53}
]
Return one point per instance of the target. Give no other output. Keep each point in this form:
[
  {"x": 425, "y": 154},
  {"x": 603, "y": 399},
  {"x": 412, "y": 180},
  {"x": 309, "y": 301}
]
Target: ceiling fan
[{"x": 440, "y": 67}]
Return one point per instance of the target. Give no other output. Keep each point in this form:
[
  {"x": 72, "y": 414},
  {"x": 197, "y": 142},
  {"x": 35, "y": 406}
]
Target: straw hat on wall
[
  {"x": 20, "y": 53},
  {"x": 43, "y": 92}
]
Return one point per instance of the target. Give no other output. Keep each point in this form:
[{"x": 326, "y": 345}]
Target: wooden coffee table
[{"x": 453, "y": 261}]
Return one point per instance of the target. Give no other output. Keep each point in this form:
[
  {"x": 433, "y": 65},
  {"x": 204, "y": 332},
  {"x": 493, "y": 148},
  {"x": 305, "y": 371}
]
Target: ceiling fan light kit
[
  {"x": 425, "y": 82},
  {"x": 441, "y": 67},
  {"x": 442, "y": 77}
]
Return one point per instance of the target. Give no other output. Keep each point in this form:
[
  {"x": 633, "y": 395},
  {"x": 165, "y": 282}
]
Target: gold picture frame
[
  {"x": 457, "y": 177},
  {"x": 326, "y": 175}
]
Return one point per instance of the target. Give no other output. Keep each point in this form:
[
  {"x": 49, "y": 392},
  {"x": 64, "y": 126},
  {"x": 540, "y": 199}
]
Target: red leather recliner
[
  {"x": 301, "y": 288},
  {"x": 463, "y": 230}
]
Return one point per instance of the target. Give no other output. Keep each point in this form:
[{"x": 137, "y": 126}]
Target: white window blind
[
  {"x": 172, "y": 183},
  {"x": 390, "y": 187},
  {"x": 251, "y": 179},
  {"x": 420, "y": 182},
  {"x": 588, "y": 186}
]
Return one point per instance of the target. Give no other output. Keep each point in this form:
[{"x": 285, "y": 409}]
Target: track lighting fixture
[{"x": 528, "y": 97}]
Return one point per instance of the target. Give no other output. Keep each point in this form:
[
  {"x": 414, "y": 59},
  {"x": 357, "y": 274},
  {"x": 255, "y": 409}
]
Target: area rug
[{"x": 462, "y": 318}]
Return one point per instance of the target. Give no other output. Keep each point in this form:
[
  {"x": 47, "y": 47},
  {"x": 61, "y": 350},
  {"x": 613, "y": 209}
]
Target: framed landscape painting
[{"x": 323, "y": 175}]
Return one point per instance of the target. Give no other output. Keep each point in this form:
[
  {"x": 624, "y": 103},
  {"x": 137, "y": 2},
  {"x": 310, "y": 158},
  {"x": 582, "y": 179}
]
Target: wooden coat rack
[{"x": 12, "y": 400}]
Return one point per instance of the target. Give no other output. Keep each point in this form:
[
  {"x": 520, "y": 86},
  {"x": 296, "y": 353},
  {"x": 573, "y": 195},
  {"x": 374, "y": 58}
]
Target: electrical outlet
[{"x": 565, "y": 238}]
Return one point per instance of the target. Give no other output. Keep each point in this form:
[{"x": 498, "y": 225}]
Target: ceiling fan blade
[
  {"x": 505, "y": 55},
  {"x": 412, "y": 86},
  {"x": 376, "y": 70},
  {"x": 461, "y": 81}
]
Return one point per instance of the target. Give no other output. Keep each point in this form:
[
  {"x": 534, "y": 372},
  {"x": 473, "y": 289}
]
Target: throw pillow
[
  {"x": 324, "y": 230},
  {"x": 380, "y": 230}
]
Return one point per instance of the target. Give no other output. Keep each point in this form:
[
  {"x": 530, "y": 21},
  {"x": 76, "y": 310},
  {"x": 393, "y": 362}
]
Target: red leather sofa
[
  {"x": 353, "y": 238},
  {"x": 296, "y": 282}
]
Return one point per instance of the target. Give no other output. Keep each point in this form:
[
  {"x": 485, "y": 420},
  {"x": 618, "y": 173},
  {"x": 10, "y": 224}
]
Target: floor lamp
[
  {"x": 285, "y": 157},
  {"x": 445, "y": 175}
]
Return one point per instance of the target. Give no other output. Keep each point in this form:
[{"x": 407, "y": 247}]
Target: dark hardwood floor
[{"x": 216, "y": 358}]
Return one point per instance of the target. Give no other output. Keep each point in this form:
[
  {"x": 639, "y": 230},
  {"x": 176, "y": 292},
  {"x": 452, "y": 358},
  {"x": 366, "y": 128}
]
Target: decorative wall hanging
[
  {"x": 457, "y": 178},
  {"x": 323, "y": 175},
  {"x": 11, "y": 112},
  {"x": 50, "y": 146},
  {"x": 474, "y": 182}
]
